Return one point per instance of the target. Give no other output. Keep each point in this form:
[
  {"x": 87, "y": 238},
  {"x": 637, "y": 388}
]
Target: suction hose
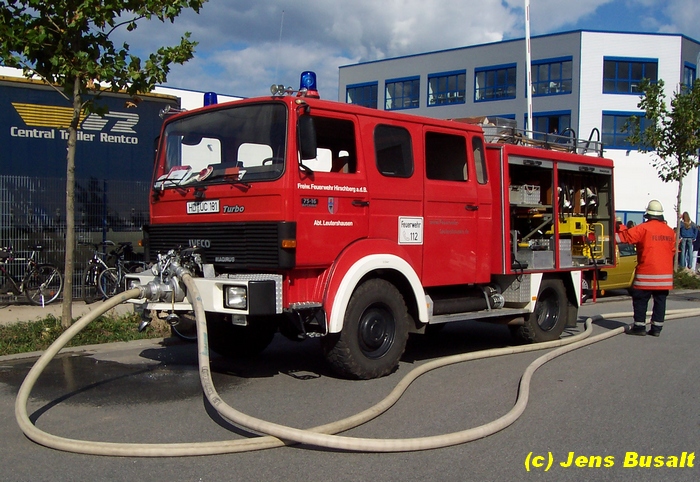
[{"x": 319, "y": 436}]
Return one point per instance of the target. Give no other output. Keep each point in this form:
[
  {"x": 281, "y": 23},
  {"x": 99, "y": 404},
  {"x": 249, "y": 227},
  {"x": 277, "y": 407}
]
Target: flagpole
[{"x": 528, "y": 68}]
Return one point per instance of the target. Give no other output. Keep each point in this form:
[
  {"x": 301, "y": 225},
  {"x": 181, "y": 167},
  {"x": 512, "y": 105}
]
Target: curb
[{"x": 116, "y": 346}]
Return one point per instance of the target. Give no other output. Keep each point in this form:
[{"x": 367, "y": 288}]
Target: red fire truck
[{"x": 359, "y": 226}]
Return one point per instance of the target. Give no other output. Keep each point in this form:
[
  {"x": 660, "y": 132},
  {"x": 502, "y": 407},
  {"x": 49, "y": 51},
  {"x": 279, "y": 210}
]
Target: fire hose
[{"x": 279, "y": 435}]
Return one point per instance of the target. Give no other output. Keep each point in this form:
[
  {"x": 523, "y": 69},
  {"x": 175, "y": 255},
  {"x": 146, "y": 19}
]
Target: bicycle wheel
[
  {"x": 90, "y": 291},
  {"x": 108, "y": 282},
  {"x": 43, "y": 285}
]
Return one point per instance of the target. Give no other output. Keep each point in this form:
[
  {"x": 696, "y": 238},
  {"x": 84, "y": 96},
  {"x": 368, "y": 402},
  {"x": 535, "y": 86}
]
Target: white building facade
[{"x": 585, "y": 81}]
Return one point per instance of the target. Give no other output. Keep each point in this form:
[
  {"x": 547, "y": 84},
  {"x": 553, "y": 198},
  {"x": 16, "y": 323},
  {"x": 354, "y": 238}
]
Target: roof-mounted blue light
[
  {"x": 210, "y": 98},
  {"x": 307, "y": 84}
]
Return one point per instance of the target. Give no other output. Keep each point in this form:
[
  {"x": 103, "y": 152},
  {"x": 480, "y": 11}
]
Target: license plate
[{"x": 203, "y": 207}]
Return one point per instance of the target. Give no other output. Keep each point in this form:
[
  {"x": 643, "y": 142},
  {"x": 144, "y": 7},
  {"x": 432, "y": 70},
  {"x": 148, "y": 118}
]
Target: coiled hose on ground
[{"x": 279, "y": 435}]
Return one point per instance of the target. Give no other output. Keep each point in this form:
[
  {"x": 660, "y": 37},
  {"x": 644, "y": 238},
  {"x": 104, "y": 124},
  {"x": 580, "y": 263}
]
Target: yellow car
[{"x": 618, "y": 278}]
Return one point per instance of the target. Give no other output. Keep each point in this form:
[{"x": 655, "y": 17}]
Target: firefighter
[{"x": 656, "y": 245}]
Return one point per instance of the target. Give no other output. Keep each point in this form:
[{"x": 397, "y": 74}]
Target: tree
[
  {"x": 673, "y": 133},
  {"x": 68, "y": 44}
]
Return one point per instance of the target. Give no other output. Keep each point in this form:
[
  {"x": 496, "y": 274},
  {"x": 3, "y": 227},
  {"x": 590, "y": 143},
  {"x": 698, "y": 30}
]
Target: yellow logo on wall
[{"x": 35, "y": 115}]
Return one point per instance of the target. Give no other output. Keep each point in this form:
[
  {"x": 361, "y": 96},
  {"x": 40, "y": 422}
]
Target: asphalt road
[{"x": 610, "y": 403}]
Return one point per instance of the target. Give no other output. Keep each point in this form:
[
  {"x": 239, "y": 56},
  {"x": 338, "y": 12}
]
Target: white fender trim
[{"x": 360, "y": 268}]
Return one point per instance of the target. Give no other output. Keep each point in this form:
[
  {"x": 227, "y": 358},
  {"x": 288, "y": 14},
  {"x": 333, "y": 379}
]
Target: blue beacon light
[
  {"x": 308, "y": 84},
  {"x": 210, "y": 98}
]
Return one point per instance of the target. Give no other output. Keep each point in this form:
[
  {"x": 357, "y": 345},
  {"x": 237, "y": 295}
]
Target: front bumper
[{"x": 263, "y": 294}]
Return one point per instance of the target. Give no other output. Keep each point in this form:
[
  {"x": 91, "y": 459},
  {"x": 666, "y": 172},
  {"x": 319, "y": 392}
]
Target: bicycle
[
  {"x": 41, "y": 283},
  {"x": 110, "y": 279},
  {"x": 96, "y": 265}
]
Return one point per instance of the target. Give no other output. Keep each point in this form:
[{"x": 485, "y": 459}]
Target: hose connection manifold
[{"x": 168, "y": 286}]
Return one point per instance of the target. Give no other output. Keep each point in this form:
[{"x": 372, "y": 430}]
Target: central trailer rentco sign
[{"x": 52, "y": 122}]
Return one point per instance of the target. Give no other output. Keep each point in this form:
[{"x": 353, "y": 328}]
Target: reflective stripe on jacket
[{"x": 656, "y": 246}]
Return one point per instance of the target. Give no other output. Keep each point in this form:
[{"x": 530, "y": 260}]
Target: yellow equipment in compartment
[{"x": 587, "y": 239}]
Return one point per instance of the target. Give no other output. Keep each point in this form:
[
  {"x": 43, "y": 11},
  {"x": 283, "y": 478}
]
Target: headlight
[{"x": 236, "y": 297}]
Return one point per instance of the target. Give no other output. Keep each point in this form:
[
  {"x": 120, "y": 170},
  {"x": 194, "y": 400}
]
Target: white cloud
[{"x": 239, "y": 49}]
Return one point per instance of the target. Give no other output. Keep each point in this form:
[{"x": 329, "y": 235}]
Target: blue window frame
[
  {"x": 495, "y": 83},
  {"x": 402, "y": 93},
  {"x": 614, "y": 133},
  {"x": 555, "y": 122},
  {"x": 552, "y": 76},
  {"x": 689, "y": 74},
  {"x": 447, "y": 88},
  {"x": 623, "y": 76},
  {"x": 362, "y": 94}
]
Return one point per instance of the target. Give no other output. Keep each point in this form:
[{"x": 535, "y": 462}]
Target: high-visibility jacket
[{"x": 656, "y": 246}]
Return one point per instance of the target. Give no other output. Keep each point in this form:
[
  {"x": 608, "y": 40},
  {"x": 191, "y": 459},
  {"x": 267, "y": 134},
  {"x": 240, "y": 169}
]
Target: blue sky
[{"x": 247, "y": 45}]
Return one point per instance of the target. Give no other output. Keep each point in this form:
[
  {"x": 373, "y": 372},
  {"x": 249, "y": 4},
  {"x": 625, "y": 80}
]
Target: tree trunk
[
  {"x": 678, "y": 223},
  {"x": 67, "y": 308}
]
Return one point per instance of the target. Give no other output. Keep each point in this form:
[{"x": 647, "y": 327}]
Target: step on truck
[{"x": 314, "y": 218}]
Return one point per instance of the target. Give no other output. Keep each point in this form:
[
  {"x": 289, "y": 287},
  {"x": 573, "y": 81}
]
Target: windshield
[{"x": 245, "y": 144}]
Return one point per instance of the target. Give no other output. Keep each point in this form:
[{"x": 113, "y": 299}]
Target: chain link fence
[{"x": 33, "y": 211}]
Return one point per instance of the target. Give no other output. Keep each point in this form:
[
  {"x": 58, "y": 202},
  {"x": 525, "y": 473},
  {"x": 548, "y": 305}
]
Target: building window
[
  {"x": 623, "y": 76},
  {"x": 447, "y": 88},
  {"x": 393, "y": 151},
  {"x": 362, "y": 94},
  {"x": 689, "y": 75},
  {"x": 551, "y": 123},
  {"x": 402, "y": 94},
  {"x": 495, "y": 83},
  {"x": 551, "y": 77},
  {"x": 615, "y": 131}
]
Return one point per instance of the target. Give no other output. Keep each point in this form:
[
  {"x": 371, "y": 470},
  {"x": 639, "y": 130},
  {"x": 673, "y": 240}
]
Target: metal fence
[{"x": 33, "y": 211}]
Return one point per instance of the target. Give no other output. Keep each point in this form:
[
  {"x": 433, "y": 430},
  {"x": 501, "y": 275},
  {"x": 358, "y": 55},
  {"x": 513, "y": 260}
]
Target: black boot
[
  {"x": 655, "y": 330},
  {"x": 637, "y": 330}
]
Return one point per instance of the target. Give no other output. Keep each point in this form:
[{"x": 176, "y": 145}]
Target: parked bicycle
[
  {"x": 110, "y": 280},
  {"x": 41, "y": 283},
  {"x": 96, "y": 265}
]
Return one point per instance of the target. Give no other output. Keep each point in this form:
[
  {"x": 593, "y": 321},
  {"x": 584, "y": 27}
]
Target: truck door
[
  {"x": 332, "y": 208},
  {"x": 451, "y": 244}
]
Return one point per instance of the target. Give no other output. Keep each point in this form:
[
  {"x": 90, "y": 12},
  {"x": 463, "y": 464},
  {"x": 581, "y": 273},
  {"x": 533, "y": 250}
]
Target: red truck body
[{"x": 359, "y": 225}]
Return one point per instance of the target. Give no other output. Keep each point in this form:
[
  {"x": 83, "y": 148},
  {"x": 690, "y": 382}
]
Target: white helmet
[{"x": 654, "y": 209}]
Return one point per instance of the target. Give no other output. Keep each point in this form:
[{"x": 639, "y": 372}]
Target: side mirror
[{"x": 307, "y": 137}]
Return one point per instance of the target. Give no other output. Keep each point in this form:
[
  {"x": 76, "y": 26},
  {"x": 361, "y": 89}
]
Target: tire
[
  {"x": 108, "y": 282},
  {"x": 43, "y": 285},
  {"x": 186, "y": 328},
  {"x": 234, "y": 341},
  {"x": 90, "y": 291},
  {"x": 549, "y": 319},
  {"x": 374, "y": 334}
]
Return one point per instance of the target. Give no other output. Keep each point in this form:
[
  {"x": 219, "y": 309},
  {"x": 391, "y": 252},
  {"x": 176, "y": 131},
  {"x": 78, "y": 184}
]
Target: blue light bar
[{"x": 210, "y": 98}]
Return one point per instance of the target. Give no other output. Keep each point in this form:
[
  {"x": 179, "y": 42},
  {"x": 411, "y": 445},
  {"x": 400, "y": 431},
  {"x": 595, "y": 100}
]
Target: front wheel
[
  {"x": 44, "y": 285},
  {"x": 90, "y": 291},
  {"x": 108, "y": 282},
  {"x": 374, "y": 334},
  {"x": 548, "y": 320}
]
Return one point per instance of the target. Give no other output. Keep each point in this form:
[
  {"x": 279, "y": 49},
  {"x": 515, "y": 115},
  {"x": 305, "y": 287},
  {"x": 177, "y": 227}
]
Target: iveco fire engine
[{"x": 315, "y": 218}]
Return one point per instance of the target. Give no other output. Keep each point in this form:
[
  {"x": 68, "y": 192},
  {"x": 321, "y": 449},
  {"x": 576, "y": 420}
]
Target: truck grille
[{"x": 239, "y": 246}]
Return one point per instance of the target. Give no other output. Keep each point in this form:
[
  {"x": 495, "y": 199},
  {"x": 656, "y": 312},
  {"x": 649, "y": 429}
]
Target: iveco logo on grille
[{"x": 200, "y": 243}]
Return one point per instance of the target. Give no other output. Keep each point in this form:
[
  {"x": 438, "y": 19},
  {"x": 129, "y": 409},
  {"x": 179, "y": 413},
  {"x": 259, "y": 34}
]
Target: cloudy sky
[{"x": 247, "y": 45}]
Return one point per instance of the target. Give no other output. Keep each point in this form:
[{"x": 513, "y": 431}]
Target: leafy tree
[
  {"x": 672, "y": 132},
  {"x": 69, "y": 44}
]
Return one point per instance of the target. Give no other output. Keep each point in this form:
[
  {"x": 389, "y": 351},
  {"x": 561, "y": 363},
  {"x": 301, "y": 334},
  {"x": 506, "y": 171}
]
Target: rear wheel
[
  {"x": 108, "y": 282},
  {"x": 234, "y": 341},
  {"x": 548, "y": 320},
  {"x": 44, "y": 284},
  {"x": 374, "y": 334}
]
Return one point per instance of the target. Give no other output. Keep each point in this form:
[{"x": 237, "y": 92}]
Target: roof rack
[{"x": 505, "y": 131}]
